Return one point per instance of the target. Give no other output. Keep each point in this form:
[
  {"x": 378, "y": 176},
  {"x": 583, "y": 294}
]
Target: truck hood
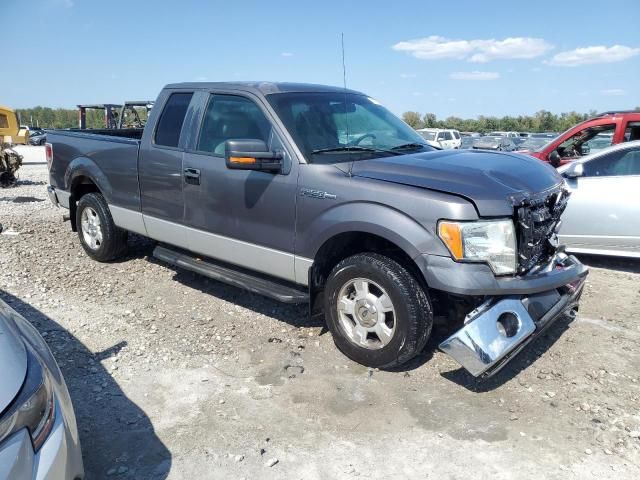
[
  {"x": 13, "y": 358},
  {"x": 493, "y": 181}
]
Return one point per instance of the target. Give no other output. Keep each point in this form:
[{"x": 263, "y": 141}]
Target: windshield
[
  {"x": 331, "y": 127},
  {"x": 533, "y": 144}
]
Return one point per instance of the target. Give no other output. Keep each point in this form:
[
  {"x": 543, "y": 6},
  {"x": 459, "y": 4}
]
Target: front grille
[{"x": 538, "y": 221}]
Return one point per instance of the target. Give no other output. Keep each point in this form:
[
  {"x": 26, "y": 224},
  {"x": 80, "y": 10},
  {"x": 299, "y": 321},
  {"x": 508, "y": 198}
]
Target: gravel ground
[{"x": 176, "y": 376}]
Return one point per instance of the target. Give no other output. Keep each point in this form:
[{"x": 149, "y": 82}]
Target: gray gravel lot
[{"x": 176, "y": 376}]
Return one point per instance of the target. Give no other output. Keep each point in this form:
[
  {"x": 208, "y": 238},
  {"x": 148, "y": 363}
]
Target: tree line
[
  {"x": 45, "y": 117},
  {"x": 542, "y": 121}
]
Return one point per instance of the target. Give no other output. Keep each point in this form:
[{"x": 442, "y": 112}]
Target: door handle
[{"x": 192, "y": 176}]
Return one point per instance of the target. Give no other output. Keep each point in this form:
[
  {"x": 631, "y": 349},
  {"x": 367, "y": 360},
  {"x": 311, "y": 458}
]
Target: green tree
[{"x": 412, "y": 119}]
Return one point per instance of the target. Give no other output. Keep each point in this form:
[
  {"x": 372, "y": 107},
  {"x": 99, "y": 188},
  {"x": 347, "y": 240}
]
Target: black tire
[
  {"x": 412, "y": 317},
  {"x": 113, "y": 244}
]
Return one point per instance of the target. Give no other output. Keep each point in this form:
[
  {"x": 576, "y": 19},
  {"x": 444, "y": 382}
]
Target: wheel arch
[{"x": 83, "y": 176}]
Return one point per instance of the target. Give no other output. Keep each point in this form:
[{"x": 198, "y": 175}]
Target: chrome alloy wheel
[
  {"x": 91, "y": 228},
  {"x": 366, "y": 313}
]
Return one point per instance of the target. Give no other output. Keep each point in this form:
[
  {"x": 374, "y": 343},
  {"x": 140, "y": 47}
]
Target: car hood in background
[
  {"x": 13, "y": 358},
  {"x": 493, "y": 181}
]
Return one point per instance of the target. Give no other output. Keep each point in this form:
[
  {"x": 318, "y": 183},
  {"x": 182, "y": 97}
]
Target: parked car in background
[
  {"x": 467, "y": 142},
  {"x": 532, "y": 144},
  {"x": 503, "y": 134},
  {"x": 547, "y": 135},
  {"x": 445, "y": 139},
  {"x": 499, "y": 143},
  {"x": 622, "y": 126},
  {"x": 38, "y": 432},
  {"x": 603, "y": 216},
  {"x": 37, "y": 136}
]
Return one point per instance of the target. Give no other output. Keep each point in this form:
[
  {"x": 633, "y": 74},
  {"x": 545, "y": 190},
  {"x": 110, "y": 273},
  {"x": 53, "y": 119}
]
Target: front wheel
[
  {"x": 377, "y": 312},
  {"x": 99, "y": 236}
]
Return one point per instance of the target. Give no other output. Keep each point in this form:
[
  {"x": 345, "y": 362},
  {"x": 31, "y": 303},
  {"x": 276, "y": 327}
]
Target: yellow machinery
[
  {"x": 10, "y": 134},
  {"x": 10, "y": 131}
]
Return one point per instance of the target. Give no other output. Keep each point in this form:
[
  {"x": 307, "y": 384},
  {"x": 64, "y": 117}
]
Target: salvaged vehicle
[
  {"x": 264, "y": 186},
  {"x": 616, "y": 126},
  {"x": 38, "y": 433},
  {"x": 10, "y": 134},
  {"x": 602, "y": 218}
]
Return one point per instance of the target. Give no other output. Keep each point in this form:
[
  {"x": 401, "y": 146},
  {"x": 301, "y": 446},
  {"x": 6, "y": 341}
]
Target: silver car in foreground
[
  {"x": 603, "y": 215},
  {"x": 38, "y": 432}
]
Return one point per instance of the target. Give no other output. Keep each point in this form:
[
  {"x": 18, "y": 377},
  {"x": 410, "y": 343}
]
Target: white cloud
[
  {"x": 591, "y": 55},
  {"x": 408, "y": 75},
  {"x": 286, "y": 54},
  {"x": 613, "y": 92},
  {"x": 477, "y": 51},
  {"x": 475, "y": 75}
]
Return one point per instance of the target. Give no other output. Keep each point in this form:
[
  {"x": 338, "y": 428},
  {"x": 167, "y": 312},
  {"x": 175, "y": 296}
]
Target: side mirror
[
  {"x": 575, "y": 170},
  {"x": 554, "y": 158},
  {"x": 251, "y": 154}
]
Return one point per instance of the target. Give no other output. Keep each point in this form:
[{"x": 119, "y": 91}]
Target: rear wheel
[
  {"x": 99, "y": 236},
  {"x": 378, "y": 313}
]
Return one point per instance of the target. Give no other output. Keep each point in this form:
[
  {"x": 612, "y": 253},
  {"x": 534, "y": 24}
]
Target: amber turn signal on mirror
[{"x": 243, "y": 160}]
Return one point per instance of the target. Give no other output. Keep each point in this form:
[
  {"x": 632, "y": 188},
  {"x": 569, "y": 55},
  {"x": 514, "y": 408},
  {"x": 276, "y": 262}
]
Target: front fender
[{"x": 374, "y": 218}]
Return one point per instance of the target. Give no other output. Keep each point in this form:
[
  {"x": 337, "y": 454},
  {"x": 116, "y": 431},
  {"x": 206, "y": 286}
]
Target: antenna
[{"x": 344, "y": 83}]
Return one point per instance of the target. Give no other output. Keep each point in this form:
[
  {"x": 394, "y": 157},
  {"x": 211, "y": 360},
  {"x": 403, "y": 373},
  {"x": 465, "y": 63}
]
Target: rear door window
[
  {"x": 171, "y": 119},
  {"x": 456, "y": 134}
]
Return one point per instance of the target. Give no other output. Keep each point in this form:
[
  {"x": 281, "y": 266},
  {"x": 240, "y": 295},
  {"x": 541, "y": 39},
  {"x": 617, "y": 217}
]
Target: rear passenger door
[
  {"x": 160, "y": 170},
  {"x": 243, "y": 217}
]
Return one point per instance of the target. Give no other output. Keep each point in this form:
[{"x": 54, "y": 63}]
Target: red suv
[{"x": 590, "y": 136}]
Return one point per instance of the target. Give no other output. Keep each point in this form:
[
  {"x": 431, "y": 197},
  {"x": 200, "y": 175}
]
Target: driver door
[{"x": 240, "y": 216}]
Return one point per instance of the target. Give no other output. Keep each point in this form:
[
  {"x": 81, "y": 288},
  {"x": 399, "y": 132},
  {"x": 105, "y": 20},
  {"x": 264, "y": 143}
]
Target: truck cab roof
[{"x": 261, "y": 88}]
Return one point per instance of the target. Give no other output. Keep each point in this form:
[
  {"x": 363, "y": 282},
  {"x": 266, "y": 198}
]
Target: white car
[
  {"x": 603, "y": 213},
  {"x": 38, "y": 432},
  {"x": 445, "y": 139}
]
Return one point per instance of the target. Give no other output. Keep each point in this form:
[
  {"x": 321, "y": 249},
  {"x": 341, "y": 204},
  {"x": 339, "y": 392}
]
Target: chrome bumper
[{"x": 501, "y": 327}]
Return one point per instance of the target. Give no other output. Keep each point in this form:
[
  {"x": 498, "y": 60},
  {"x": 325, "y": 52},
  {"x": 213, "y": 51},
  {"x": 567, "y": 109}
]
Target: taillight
[{"x": 48, "y": 148}]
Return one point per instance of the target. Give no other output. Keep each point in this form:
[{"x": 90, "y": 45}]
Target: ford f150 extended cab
[{"x": 316, "y": 194}]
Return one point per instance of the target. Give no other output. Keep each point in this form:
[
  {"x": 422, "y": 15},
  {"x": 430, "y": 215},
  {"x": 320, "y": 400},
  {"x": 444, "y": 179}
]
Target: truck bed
[{"x": 99, "y": 154}]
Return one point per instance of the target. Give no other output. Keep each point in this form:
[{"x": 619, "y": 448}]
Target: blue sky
[{"x": 451, "y": 58}]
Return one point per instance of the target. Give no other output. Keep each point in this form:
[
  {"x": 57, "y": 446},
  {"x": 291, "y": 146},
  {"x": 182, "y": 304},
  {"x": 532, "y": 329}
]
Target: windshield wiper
[
  {"x": 354, "y": 148},
  {"x": 409, "y": 146}
]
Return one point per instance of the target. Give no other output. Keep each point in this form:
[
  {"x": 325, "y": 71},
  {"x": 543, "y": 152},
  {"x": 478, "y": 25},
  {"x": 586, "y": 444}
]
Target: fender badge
[{"x": 308, "y": 192}]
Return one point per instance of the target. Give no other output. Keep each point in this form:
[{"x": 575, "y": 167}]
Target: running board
[{"x": 254, "y": 282}]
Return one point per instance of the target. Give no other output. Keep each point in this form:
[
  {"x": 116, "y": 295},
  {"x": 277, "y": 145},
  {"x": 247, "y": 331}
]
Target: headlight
[
  {"x": 34, "y": 407},
  {"x": 492, "y": 242}
]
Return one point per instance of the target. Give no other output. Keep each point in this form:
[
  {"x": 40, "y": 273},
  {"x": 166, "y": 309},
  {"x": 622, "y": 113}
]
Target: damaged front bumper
[{"x": 502, "y": 326}]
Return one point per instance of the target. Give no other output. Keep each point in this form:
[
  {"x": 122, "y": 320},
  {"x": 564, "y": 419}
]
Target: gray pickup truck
[{"x": 320, "y": 195}]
